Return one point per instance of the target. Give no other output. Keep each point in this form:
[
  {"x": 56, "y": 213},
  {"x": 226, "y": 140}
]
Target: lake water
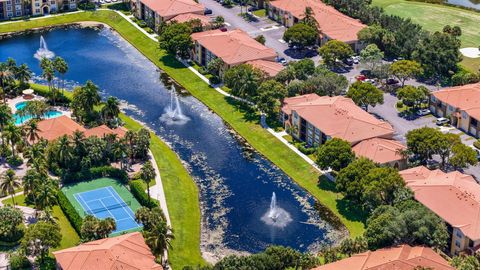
[
  {"x": 236, "y": 184},
  {"x": 466, "y": 3}
]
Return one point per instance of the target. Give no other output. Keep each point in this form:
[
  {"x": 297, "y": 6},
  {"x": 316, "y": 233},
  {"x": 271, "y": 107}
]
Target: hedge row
[
  {"x": 94, "y": 173},
  {"x": 70, "y": 212},
  {"x": 136, "y": 188}
]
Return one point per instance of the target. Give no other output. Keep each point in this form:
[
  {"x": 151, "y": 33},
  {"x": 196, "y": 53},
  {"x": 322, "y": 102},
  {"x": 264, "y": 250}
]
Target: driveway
[{"x": 272, "y": 31}]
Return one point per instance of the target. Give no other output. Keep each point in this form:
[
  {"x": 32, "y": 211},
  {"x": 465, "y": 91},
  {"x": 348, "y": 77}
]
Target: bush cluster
[
  {"x": 70, "y": 212},
  {"x": 136, "y": 188},
  {"x": 96, "y": 172}
]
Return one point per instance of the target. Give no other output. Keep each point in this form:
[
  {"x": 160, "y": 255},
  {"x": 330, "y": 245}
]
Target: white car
[
  {"x": 442, "y": 121},
  {"x": 423, "y": 112}
]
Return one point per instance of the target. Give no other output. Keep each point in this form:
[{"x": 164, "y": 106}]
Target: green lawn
[
  {"x": 434, "y": 17},
  {"x": 70, "y": 237},
  {"x": 182, "y": 201},
  {"x": 260, "y": 13},
  {"x": 245, "y": 122}
]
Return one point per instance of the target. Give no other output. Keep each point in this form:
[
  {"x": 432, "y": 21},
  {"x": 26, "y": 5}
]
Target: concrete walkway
[{"x": 157, "y": 191}]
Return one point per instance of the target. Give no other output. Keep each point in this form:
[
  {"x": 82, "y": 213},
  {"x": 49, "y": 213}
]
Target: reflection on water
[
  {"x": 235, "y": 184},
  {"x": 475, "y": 4}
]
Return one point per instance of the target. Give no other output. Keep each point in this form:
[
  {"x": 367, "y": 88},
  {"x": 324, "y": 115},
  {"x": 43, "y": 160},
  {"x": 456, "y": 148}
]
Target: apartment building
[
  {"x": 454, "y": 197},
  {"x": 12, "y": 8},
  {"x": 233, "y": 47},
  {"x": 461, "y": 105},
  {"x": 332, "y": 24}
]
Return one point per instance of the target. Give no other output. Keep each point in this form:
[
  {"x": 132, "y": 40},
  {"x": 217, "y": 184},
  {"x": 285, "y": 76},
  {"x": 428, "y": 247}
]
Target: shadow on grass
[
  {"x": 119, "y": 6},
  {"x": 348, "y": 209},
  {"x": 170, "y": 61},
  {"x": 249, "y": 113}
]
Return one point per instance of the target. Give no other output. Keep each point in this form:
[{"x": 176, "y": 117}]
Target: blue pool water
[
  {"x": 20, "y": 120},
  {"x": 235, "y": 183}
]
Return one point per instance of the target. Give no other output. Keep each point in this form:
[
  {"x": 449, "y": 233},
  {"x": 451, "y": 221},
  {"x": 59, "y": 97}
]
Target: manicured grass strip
[
  {"x": 182, "y": 201},
  {"x": 434, "y": 17},
  {"x": 70, "y": 237},
  {"x": 243, "y": 121}
]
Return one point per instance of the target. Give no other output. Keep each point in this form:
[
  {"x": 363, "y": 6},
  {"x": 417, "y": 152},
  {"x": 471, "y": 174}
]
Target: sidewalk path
[{"x": 157, "y": 191}]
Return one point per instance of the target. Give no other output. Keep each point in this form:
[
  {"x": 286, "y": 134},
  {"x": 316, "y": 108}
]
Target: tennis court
[{"x": 105, "y": 202}]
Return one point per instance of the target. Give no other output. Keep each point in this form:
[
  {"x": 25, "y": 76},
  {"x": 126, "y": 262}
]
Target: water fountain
[
  {"x": 275, "y": 215},
  {"x": 43, "y": 51},
  {"x": 173, "y": 113}
]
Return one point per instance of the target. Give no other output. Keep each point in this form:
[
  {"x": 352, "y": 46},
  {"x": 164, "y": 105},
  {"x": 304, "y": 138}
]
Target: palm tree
[
  {"x": 30, "y": 180},
  {"x": 23, "y": 74},
  {"x": 61, "y": 67},
  {"x": 31, "y": 131},
  {"x": 48, "y": 73},
  {"x": 64, "y": 150},
  {"x": 9, "y": 184},
  {"x": 6, "y": 77},
  {"x": 45, "y": 196},
  {"x": 90, "y": 97},
  {"x": 36, "y": 157},
  {"x": 130, "y": 138},
  {"x": 111, "y": 109},
  {"x": 159, "y": 238},
  {"x": 5, "y": 117},
  {"x": 119, "y": 151},
  {"x": 147, "y": 172},
  {"x": 13, "y": 135}
]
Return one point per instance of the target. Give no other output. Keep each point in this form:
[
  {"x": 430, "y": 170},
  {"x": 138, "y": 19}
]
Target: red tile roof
[
  {"x": 380, "y": 150},
  {"x": 331, "y": 22},
  {"x": 465, "y": 98},
  {"x": 54, "y": 128},
  {"x": 339, "y": 117},
  {"x": 127, "y": 252},
  {"x": 453, "y": 196},
  {"x": 272, "y": 68},
  {"x": 169, "y": 8},
  {"x": 402, "y": 257},
  {"x": 187, "y": 17},
  {"x": 51, "y": 129},
  {"x": 233, "y": 47}
]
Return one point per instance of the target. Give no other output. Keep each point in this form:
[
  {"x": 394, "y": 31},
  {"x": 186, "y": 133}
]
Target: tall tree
[
  {"x": 270, "y": 95},
  {"x": 244, "y": 80},
  {"x": 61, "y": 67},
  {"x": 48, "y": 73},
  {"x": 6, "y": 78},
  {"x": 148, "y": 174},
  {"x": 365, "y": 94},
  {"x": 9, "y": 183},
  {"x": 159, "y": 238},
  {"x": 13, "y": 134},
  {"x": 176, "y": 40},
  {"x": 412, "y": 96},
  {"x": 39, "y": 238},
  {"x": 335, "y": 154},
  {"x": 31, "y": 131},
  {"x": 23, "y": 74},
  {"x": 5, "y": 118},
  {"x": 335, "y": 50},
  {"x": 405, "y": 69},
  {"x": 301, "y": 34},
  {"x": 371, "y": 56},
  {"x": 111, "y": 109}
]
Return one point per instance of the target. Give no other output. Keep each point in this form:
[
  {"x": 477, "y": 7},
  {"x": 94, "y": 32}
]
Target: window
[
  {"x": 52, "y": 2},
  {"x": 464, "y": 115},
  {"x": 37, "y": 5},
  {"x": 9, "y": 8},
  {"x": 459, "y": 234},
  {"x": 450, "y": 108},
  {"x": 18, "y": 13},
  {"x": 473, "y": 122},
  {"x": 37, "y": 10},
  {"x": 17, "y": 1},
  {"x": 457, "y": 243},
  {"x": 9, "y": 14}
]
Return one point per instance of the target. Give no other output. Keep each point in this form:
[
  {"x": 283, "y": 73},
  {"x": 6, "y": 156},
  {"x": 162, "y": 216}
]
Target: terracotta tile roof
[
  {"x": 127, "y": 252},
  {"x": 339, "y": 117},
  {"x": 103, "y": 130},
  {"x": 402, "y": 257},
  {"x": 291, "y": 101},
  {"x": 453, "y": 196},
  {"x": 51, "y": 129},
  {"x": 272, "y": 68},
  {"x": 331, "y": 22},
  {"x": 168, "y": 8},
  {"x": 183, "y": 18},
  {"x": 465, "y": 98},
  {"x": 233, "y": 47},
  {"x": 380, "y": 150}
]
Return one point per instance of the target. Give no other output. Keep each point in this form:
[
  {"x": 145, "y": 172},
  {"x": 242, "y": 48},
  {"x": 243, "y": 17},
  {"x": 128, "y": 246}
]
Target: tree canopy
[
  {"x": 335, "y": 50},
  {"x": 335, "y": 154},
  {"x": 405, "y": 69},
  {"x": 365, "y": 94},
  {"x": 175, "y": 39},
  {"x": 301, "y": 34}
]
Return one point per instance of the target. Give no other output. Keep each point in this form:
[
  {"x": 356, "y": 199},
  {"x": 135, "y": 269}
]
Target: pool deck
[{"x": 12, "y": 102}]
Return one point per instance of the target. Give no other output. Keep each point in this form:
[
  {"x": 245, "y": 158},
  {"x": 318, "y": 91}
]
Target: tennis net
[{"x": 108, "y": 207}]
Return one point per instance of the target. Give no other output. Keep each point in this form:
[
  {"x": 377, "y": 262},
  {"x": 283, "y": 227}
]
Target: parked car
[
  {"x": 356, "y": 59},
  {"x": 252, "y": 8},
  {"x": 282, "y": 60},
  {"x": 348, "y": 61},
  {"x": 361, "y": 78},
  {"x": 392, "y": 81},
  {"x": 423, "y": 112},
  {"x": 371, "y": 81},
  {"x": 476, "y": 151},
  {"x": 208, "y": 11},
  {"x": 442, "y": 121},
  {"x": 366, "y": 73},
  {"x": 223, "y": 29}
]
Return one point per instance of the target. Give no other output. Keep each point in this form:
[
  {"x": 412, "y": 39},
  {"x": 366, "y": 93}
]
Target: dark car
[
  {"x": 207, "y": 11},
  {"x": 392, "y": 81},
  {"x": 252, "y": 9},
  {"x": 366, "y": 72},
  {"x": 223, "y": 29},
  {"x": 348, "y": 61}
]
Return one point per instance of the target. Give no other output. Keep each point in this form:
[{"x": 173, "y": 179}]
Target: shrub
[
  {"x": 202, "y": 70},
  {"x": 477, "y": 144},
  {"x": 70, "y": 212},
  {"x": 142, "y": 24},
  {"x": 214, "y": 80},
  {"x": 136, "y": 188},
  {"x": 96, "y": 172},
  {"x": 399, "y": 104},
  {"x": 87, "y": 6},
  {"x": 150, "y": 31},
  {"x": 48, "y": 263},
  {"x": 19, "y": 261},
  {"x": 306, "y": 150},
  {"x": 14, "y": 161}
]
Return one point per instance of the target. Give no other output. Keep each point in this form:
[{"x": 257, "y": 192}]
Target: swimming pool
[{"x": 22, "y": 119}]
